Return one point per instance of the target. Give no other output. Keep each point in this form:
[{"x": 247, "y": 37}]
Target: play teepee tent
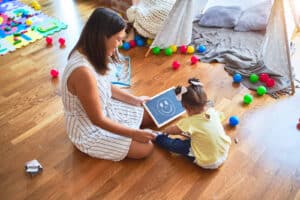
[{"x": 271, "y": 56}]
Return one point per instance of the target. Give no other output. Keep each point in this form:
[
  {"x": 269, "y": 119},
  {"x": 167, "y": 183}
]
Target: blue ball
[
  {"x": 233, "y": 120},
  {"x": 126, "y": 45},
  {"x": 140, "y": 42},
  {"x": 201, "y": 49},
  {"x": 237, "y": 78},
  {"x": 137, "y": 37}
]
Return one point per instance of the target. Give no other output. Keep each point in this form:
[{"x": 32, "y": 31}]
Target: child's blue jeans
[{"x": 175, "y": 145}]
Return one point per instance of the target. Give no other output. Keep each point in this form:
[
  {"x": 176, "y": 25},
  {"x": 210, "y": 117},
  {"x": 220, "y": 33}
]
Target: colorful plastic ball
[
  {"x": 137, "y": 37},
  {"x": 183, "y": 49},
  {"x": 253, "y": 78},
  {"x": 190, "y": 49},
  {"x": 237, "y": 78},
  {"x": 263, "y": 77},
  {"x": 54, "y": 72},
  {"x": 132, "y": 43},
  {"x": 140, "y": 42},
  {"x": 261, "y": 90},
  {"x": 194, "y": 60},
  {"x": 168, "y": 51},
  {"x": 61, "y": 41},
  {"x": 248, "y": 98},
  {"x": 149, "y": 41},
  {"x": 49, "y": 40},
  {"x": 175, "y": 65},
  {"x": 233, "y": 121},
  {"x": 126, "y": 45},
  {"x": 174, "y": 48},
  {"x": 201, "y": 48},
  {"x": 28, "y": 22},
  {"x": 270, "y": 82},
  {"x": 156, "y": 50}
]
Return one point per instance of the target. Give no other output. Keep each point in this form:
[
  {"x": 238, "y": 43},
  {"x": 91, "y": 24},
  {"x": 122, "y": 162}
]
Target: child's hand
[{"x": 172, "y": 130}]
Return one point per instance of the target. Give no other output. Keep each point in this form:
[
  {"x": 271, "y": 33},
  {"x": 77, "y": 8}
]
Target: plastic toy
[
  {"x": 263, "y": 77},
  {"x": 270, "y": 82},
  {"x": 140, "y": 42},
  {"x": 194, "y": 60},
  {"x": 36, "y": 5},
  {"x": 190, "y": 49},
  {"x": 261, "y": 90},
  {"x": 149, "y": 41},
  {"x": 201, "y": 48},
  {"x": 248, "y": 98},
  {"x": 175, "y": 65},
  {"x": 49, "y": 40},
  {"x": 137, "y": 37},
  {"x": 233, "y": 121},
  {"x": 62, "y": 42},
  {"x": 253, "y": 78},
  {"x": 298, "y": 126},
  {"x": 132, "y": 43},
  {"x": 156, "y": 50},
  {"x": 28, "y": 22},
  {"x": 174, "y": 48},
  {"x": 54, "y": 72},
  {"x": 183, "y": 49},
  {"x": 126, "y": 46},
  {"x": 237, "y": 78},
  {"x": 168, "y": 51}
]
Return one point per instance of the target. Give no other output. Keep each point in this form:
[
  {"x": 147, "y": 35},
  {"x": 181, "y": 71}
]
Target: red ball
[
  {"x": 183, "y": 49},
  {"x": 270, "y": 82},
  {"x": 49, "y": 40},
  {"x": 175, "y": 65},
  {"x": 132, "y": 43},
  {"x": 61, "y": 41},
  {"x": 194, "y": 60},
  {"x": 54, "y": 72},
  {"x": 298, "y": 126},
  {"x": 263, "y": 77}
]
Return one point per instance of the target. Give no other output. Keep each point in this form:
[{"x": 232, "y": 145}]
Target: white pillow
[
  {"x": 255, "y": 18},
  {"x": 220, "y": 16}
]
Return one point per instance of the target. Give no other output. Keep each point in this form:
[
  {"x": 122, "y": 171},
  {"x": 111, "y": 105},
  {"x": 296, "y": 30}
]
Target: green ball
[
  {"x": 253, "y": 78},
  {"x": 156, "y": 50},
  {"x": 248, "y": 98},
  {"x": 168, "y": 51},
  {"x": 261, "y": 90}
]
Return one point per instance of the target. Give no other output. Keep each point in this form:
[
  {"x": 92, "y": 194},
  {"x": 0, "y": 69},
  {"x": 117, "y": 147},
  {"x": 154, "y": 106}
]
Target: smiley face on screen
[{"x": 165, "y": 107}]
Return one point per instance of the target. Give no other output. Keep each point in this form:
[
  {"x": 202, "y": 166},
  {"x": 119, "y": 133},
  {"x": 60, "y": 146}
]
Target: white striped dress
[{"x": 87, "y": 137}]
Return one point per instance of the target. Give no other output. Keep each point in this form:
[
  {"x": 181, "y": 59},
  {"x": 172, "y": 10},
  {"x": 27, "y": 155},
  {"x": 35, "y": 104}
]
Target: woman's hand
[
  {"x": 140, "y": 100},
  {"x": 143, "y": 136}
]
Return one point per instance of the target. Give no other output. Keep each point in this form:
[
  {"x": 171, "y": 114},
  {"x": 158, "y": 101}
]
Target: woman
[{"x": 102, "y": 120}]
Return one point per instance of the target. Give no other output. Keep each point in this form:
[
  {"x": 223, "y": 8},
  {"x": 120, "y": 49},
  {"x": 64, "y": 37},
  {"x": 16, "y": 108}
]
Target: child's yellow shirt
[{"x": 209, "y": 141}]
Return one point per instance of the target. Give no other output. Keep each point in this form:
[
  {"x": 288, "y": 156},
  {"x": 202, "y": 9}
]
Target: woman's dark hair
[
  {"x": 195, "y": 95},
  {"x": 102, "y": 24}
]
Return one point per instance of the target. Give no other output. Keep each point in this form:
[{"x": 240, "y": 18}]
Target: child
[{"x": 207, "y": 143}]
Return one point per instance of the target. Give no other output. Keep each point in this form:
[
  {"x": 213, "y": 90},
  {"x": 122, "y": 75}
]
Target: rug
[{"x": 21, "y": 25}]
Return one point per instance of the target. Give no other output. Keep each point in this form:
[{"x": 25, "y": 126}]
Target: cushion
[
  {"x": 221, "y": 16},
  {"x": 255, "y": 18}
]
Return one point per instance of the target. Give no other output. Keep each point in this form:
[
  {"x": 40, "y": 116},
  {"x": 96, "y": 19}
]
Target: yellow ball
[
  {"x": 149, "y": 41},
  {"x": 37, "y": 7},
  {"x": 190, "y": 49},
  {"x": 174, "y": 48},
  {"x": 28, "y": 22}
]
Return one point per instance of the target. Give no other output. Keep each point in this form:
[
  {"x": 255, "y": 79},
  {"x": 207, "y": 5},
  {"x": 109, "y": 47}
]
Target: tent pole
[
  {"x": 147, "y": 53},
  {"x": 288, "y": 48}
]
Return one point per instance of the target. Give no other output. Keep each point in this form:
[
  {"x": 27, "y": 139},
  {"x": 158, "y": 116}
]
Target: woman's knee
[{"x": 139, "y": 150}]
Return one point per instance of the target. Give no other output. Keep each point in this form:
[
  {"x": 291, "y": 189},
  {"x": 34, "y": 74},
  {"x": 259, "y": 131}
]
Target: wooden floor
[{"x": 264, "y": 164}]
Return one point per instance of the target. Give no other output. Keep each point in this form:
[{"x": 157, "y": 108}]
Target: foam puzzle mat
[{"x": 21, "y": 25}]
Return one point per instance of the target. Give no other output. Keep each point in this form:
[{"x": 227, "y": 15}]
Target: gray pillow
[
  {"x": 255, "y": 18},
  {"x": 220, "y": 16}
]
